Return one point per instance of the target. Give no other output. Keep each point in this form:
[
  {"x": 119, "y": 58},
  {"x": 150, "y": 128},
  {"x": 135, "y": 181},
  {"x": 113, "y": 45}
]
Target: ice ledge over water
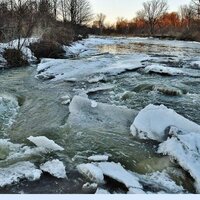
[
  {"x": 152, "y": 122},
  {"x": 85, "y": 113}
]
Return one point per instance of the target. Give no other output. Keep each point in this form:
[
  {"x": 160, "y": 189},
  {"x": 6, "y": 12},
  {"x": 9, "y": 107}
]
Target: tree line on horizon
[
  {"x": 23, "y": 18},
  {"x": 155, "y": 20}
]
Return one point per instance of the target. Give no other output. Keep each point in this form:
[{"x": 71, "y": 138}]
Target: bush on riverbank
[
  {"x": 15, "y": 58},
  {"x": 47, "y": 49},
  {"x": 62, "y": 35}
]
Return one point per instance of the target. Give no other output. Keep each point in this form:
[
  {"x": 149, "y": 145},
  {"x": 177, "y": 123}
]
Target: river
[{"x": 122, "y": 81}]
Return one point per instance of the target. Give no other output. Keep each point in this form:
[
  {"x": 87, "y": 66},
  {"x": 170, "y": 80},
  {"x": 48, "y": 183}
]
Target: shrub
[
  {"x": 61, "y": 35},
  {"x": 47, "y": 49},
  {"x": 15, "y": 58}
]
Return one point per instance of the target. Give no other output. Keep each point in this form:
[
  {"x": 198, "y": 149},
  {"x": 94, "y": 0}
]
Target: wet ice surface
[{"x": 87, "y": 104}]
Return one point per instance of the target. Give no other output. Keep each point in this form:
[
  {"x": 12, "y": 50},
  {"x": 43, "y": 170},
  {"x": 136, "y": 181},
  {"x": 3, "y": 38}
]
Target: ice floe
[
  {"x": 44, "y": 142},
  {"x": 117, "y": 172},
  {"x": 152, "y": 121},
  {"x": 185, "y": 149},
  {"x": 82, "y": 116},
  {"x": 92, "y": 172},
  {"x": 98, "y": 158},
  {"x": 161, "y": 69},
  {"x": 55, "y": 168},
  {"x": 160, "y": 181},
  {"x": 18, "y": 171},
  {"x": 156, "y": 182}
]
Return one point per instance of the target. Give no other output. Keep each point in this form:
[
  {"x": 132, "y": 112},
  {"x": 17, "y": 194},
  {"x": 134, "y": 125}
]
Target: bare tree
[
  {"x": 64, "y": 9},
  {"x": 55, "y": 7},
  {"x": 152, "y": 11},
  {"x": 196, "y": 7},
  {"x": 187, "y": 14},
  {"x": 77, "y": 11},
  {"x": 23, "y": 19},
  {"x": 100, "y": 20}
]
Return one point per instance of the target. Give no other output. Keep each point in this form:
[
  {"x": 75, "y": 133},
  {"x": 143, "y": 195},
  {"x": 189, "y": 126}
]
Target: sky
[{"x": 126, "y": 8}]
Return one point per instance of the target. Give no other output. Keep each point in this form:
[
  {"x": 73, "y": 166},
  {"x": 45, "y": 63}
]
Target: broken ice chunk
[
  {"x": 98, "y": 158},
  {"x": 92, "y": 172},
  {"x": 55, "y": 168},
  {"x": 42, "y": 141}
]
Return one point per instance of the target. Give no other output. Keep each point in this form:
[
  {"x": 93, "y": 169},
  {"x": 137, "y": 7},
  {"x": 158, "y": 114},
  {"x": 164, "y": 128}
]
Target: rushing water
[{"x": 42, "y": 113}]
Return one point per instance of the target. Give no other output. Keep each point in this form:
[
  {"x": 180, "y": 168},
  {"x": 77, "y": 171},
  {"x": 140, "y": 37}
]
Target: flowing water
[{"x": 41, "y": 113}]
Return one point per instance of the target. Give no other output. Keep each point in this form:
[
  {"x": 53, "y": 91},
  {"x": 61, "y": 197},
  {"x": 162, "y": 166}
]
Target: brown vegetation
[{"x": 15, "y": 58}]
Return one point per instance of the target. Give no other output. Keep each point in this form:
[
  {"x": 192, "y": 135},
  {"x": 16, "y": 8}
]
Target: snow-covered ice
[
  {"x": 98, "y": 158},
  {"x": 18, "y": 171},
  {"x": 83, "y": 116},
  {"x": 117, "y": 172},
  {"x": 152, "y": 121},
  {"x": 83, "y": 69},
  {"x": 92, "y": 172},
  {"x": 161, "y": 181},
  {"x": 185, "y": 149},
  {"x": 161, "y": 69},
  {"x": 55, "y": 168},
  {"x": 42, "y": 141}
]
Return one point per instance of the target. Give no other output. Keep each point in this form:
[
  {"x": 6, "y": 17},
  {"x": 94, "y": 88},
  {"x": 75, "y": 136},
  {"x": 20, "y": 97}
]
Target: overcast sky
[{"x": 126, "y": 8}]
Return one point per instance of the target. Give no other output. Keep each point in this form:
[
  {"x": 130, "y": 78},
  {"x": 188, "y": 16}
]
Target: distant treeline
[{"x": 155, "y": 20}]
